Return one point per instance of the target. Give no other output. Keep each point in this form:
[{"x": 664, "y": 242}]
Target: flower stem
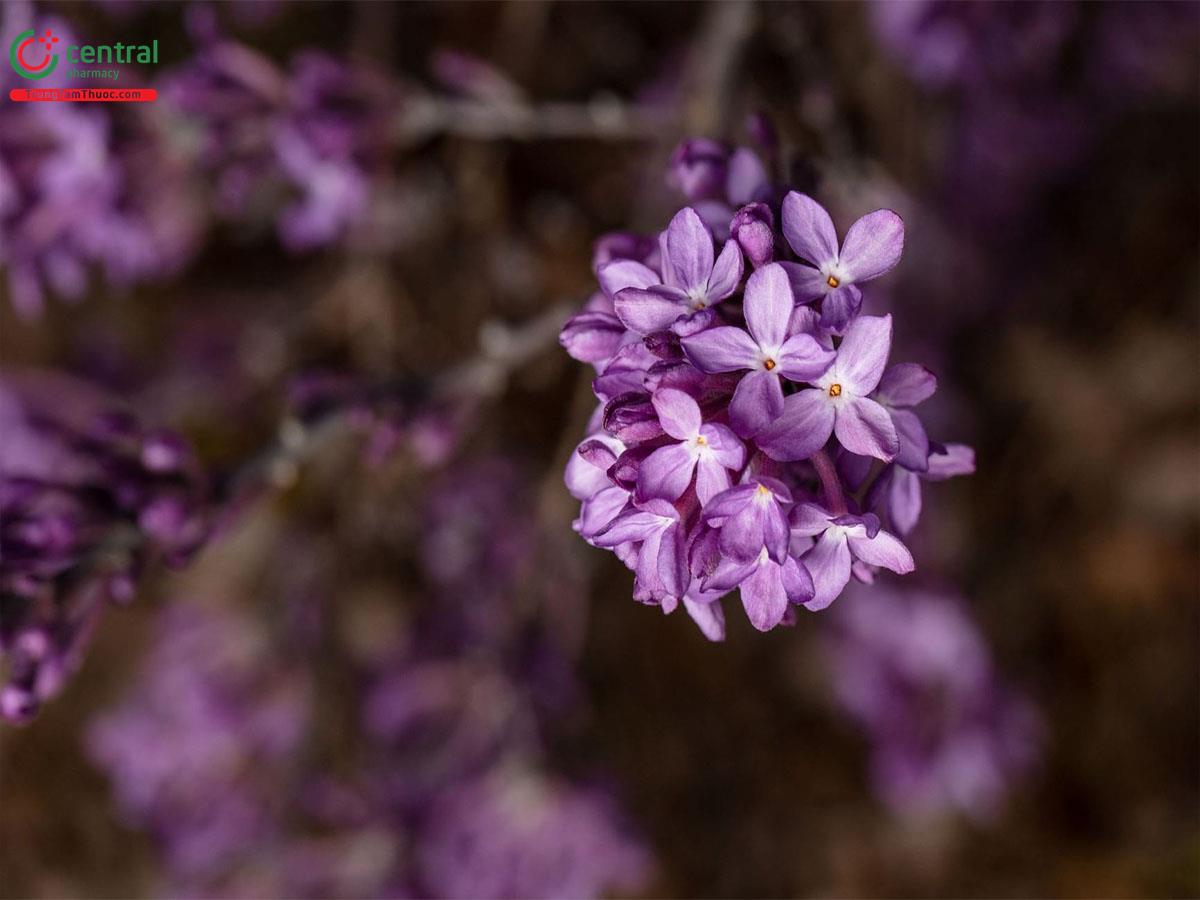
[{"x": 831, "y": 485}]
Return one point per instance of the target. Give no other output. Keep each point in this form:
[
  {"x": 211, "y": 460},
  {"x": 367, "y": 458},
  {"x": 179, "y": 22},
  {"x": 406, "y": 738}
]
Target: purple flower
[
  {"x": 767, "y": 351},
  {"x": 655, "y": 529},
  {"x": 872, "y": 247},
  {"x": 840, "y": 539},
  {"x": 766, "y": 587},
  {"x": 902, "y": 387},
  {"x": 692, "y": 281},
  {"x": 752, "y": 517},
  {"x": 840, "y": 403},
  {"x": 946, "y": 733},
  {"x": 708, "y": 449}
]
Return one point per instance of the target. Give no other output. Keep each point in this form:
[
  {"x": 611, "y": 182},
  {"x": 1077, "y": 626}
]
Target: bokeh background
[{"x": 365, "y": 654}]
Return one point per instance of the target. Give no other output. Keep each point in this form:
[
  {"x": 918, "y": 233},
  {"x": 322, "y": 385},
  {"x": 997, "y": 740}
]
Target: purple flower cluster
[
  {"x": 87, "y": 498},
  {"x": 945, "y": 733},
  {"x": 295, "y": 146},
  {"x": 428, "y": 777},
  {"x": 750, "y": 433}
]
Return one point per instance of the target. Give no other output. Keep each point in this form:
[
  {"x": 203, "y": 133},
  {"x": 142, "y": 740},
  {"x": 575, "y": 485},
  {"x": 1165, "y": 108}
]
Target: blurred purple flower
[{"x": 915, "y": 673}]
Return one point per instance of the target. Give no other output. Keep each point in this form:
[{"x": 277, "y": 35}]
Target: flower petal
[
  {"x": 729, "y": 574},
  {"x": 839, "y": 307},
  {"x": 592, "y": 336},
  {"x": 646, "y": 310},
  {"x": 873, "y": 245},
  {"x": 673, "y": 569},
  {"x": 763, "y": 597},
  {"x": 632, "y": 525},
  {"x": 808, "y": 519},
  {"x": 723, "y": 349},
  {"x": 864, "y": 427},
  {"x": 678, "y": 413},
  {"x": 863, "y": 353},
  {"x": 709, "y": 617},
  {"x": 727, "y": 273},
  {"x": 828, "y": 562},
  {"x": 801, "y": 358},
  {"x": 757, "y": 402},
  {"x": 807, "y": 283},
  {"x": 665, "y": 473},
  {"x": 711, "y": 479},
  {"x": 959, "y": 459},
  {"x": 808, "y": 229},
  {"x": 797, "y": 581},
  {"x": 688, "y": 260},
  {"x": 598, "y": 512},
  {"x": 768, "y": 306},
  {"x": 885, "y": 549},
  {"x": 914, "y": 443},
  {"x": 802, "y": 429},
  {"x": 904, "y": 499},
  {"x": 906, "y": 384},
  {"x": 623, "y": 273},
  {"x": 729, "y": 502},
  {"x": 723, "y": 445}
]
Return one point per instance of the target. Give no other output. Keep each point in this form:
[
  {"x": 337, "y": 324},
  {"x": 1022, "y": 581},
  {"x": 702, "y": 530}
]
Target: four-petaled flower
[
  {"x": 872, "y": 247},
  {"x": 841, "y": 539},
  {"x": 691, "y": 280},
  {"x": 839, "y": 404},
  {"x": 708, "y": 449}
]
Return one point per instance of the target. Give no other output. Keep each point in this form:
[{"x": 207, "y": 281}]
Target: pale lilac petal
[
  {"x": 768, "y": 306},
  {"x": 672, "y": 562},
  {"x": 742, "y": 533},
  {"x": 757, "y": 402},
  {"x": 747, "y": 180},
  {"x": 592, "y": 337},
  {"x": 885, "y": 549},
  {"x": 906, "y": 384},
  {"x": 689, "y": 257},
  {"x": 809, "y": 519},
  {"x": 904, "y": 499},
  {"x": 873, "y": 245},
  {"x": 646, "y": 569},
  {"x": 828, "y": 562},
  {"x": 709, "y": 617},
  {"x": 729, "y": 503},
  {"x": 632, "y": 525},
  {"x": 723, "y": 349},
  {"x": 665, "y": 473},
  {"x": 808, "y": 229},
  {"x": 806, "y": 320},
  {"x": 797, "y": 581},
  {"x": 775, "y": 533},
  {"x": 914, "y": 443},
  {"x": 678, "y": 413},
  {"x": 729, "y": 574},
  {"x": 763, "y": 597},
  {"x": 802, "y": 429},
  {"x": 959, "y": 459},
  {"x": 864, "y": 427},
  {"x": 726, "y": 274},
  {"x": 801, "y": 358},
  {"x": 624, "y": 273},
  {"x": 646, "y": 310},
  {"x": 711, "y": 479},
  {"x": 839, "y": 307},
  {"x": 863, "y": 353},
  {"x": 598, "y": 511},
  {"x": 585, "y": 477},
  {"x": 723, "y": 445},
  {"x": 806, "y": 282}
]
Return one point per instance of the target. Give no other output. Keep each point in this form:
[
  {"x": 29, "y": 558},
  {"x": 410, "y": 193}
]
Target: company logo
[{"x": 24, "y": 57}]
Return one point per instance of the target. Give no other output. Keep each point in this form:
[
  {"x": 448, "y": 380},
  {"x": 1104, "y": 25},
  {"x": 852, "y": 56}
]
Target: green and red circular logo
[{"x": 24, "y": 57}]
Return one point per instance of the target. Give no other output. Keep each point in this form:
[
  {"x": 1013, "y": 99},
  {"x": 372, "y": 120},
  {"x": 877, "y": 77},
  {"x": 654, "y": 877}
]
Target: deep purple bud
[
  {"x": 753, "y": 227},
  {"x": 632, "y": 418}
]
